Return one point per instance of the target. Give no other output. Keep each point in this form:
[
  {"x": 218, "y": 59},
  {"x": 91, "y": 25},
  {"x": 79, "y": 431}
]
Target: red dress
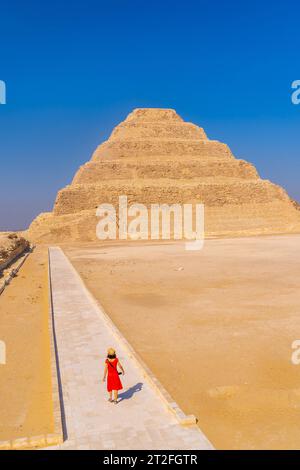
[{"x": 113, "y": 379}]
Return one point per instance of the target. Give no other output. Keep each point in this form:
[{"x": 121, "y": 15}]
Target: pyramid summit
[{"x": 154, "y": 156}]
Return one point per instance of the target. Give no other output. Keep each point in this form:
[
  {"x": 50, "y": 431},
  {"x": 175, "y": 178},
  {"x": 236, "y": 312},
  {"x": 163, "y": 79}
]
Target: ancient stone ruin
[
  {"x": 11, "y": 246},
  {"x": 156, "y": 157}
]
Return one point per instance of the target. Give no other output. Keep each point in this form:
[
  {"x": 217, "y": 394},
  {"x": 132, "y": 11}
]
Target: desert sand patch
[{"x": 25, "y": 381}]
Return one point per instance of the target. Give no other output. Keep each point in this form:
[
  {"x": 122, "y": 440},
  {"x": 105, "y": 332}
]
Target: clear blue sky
[{"x": 74, "y": 69}]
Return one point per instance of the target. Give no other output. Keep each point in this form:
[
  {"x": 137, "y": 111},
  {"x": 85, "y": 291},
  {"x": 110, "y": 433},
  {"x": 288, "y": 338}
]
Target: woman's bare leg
[
  {"x": 110, "y": 396},
  {"x": 115, "y": 395}
]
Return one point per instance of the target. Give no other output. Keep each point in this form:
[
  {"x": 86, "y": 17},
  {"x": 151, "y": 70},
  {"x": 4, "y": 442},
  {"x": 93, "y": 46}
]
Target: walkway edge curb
[
  {"x": 56, "y": 395},
  {"x": 170, "y": 404}
]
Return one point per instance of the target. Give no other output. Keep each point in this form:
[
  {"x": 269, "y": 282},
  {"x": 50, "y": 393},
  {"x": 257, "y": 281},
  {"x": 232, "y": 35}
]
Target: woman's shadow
[{"x": 130, "y": 392}]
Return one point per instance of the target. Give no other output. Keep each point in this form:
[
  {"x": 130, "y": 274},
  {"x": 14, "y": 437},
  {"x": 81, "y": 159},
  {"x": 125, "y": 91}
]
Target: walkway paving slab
[{"x": 140, "y": 420}]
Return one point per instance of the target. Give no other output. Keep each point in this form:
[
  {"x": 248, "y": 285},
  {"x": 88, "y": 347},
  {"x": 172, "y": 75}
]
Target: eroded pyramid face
[{"x": 154, "y": 157}]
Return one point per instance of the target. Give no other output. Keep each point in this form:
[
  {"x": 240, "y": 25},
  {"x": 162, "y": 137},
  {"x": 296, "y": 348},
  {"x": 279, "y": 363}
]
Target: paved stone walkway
[{"x": 140, "y": 420}]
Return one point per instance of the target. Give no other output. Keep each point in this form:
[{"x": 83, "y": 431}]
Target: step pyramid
[{"x": 155, "y": 157}]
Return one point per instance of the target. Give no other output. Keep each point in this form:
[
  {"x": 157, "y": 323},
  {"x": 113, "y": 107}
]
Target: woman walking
[{"x": 114, "y": 383}]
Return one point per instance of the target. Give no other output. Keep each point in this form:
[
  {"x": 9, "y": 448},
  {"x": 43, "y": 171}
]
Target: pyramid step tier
[
  {"x": 145, "y": 148},
  {"x": 154, "y": 130},
  {"x": 96, "y": 172},
  {"x": 76, "y": 198}
]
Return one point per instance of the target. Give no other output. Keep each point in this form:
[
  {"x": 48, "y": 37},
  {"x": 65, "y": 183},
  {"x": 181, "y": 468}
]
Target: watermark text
[
  {"x": 156, "y": 222},
  {"x": 296, "y": 93},
  {"x": 2, "y": 353},
  {"x": 2, "y": 92}
]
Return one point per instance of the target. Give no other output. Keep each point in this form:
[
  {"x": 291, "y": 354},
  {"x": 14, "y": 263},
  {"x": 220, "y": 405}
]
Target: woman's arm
[
  {"x": 121, "y": 367},
  {"x": 105, "y": 373}
]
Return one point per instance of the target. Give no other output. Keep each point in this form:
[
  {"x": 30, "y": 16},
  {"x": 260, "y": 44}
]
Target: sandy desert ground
[
  {"x": 215, "y": 326},
  {"x": 25, "y": 381}
]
